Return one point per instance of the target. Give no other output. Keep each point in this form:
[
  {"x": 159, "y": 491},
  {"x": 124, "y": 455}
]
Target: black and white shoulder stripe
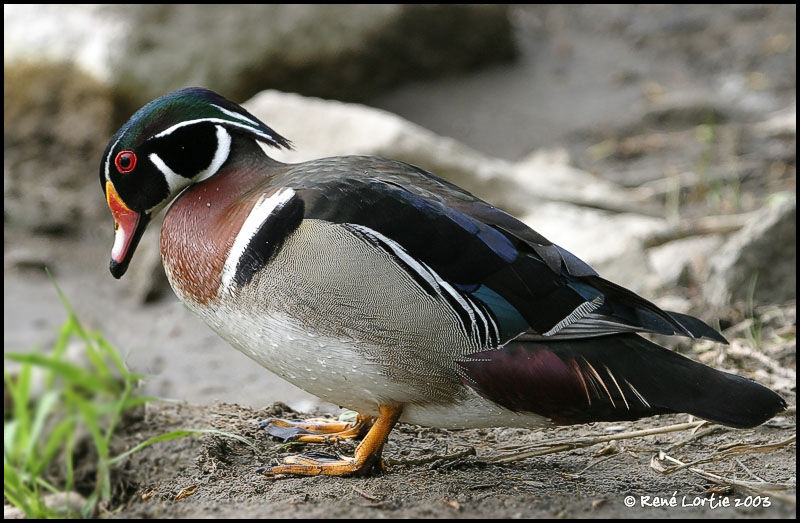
[{"x": 269, "y": 222}]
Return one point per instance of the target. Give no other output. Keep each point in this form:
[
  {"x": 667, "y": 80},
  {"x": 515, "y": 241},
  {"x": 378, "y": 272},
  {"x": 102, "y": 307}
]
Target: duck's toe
[
  {"x": 367, "y": 454},
  {"x": 317, "y": 430},
  {"x": 322, "y": 463}
]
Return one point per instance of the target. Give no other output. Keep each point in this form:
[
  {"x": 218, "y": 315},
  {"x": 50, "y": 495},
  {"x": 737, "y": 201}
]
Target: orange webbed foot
[{"x": 367, "y": 454}]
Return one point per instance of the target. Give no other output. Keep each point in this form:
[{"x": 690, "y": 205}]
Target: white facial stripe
[
  {"x": 223, "y": 149},
  {"x": 262, "y": 210},
  {"x": 108, "y": 158},
  {"x": 249, "y": 128},
  {"x": 236, "y": 115}
]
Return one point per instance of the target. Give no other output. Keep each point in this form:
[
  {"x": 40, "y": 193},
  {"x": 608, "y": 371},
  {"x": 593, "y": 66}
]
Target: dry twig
[
  {"x": 430, "y": 459},
  {"x": 761, "y": 488},
  {"x": 588, "y": 441},
  {"x": 723, "y": 224},
  {"x": 735, "y": 449}
]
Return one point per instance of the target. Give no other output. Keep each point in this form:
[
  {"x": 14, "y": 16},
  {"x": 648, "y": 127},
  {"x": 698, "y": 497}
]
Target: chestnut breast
[{"x": 200, "y": 228}]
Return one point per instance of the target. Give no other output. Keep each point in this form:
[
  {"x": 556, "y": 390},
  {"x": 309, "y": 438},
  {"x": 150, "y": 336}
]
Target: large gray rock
[
  {"x": 337, "y": 51},
  {"x": 682, "y": 262},
  {"x": 764, "y": 252}
]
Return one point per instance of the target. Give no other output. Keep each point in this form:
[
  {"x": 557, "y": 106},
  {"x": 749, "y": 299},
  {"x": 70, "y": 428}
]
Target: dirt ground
[
  {"x": 595, "y": 73},
  {"x": 223, "y": 474}
]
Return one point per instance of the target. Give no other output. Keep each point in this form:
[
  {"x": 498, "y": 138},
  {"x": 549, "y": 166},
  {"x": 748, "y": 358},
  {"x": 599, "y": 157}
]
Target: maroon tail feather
[{"x": 611, "y": 378}]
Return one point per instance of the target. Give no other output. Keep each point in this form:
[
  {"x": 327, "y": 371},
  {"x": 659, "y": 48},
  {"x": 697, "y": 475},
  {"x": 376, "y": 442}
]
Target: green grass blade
[
  {"x": 68, "y": 306},
  {"x": 56, "y": 441},
  {"x": 115, "y": 357},
  {"x": 20, "y": 396},
  {"x": 15, "y": 491},
  {"x": 90, "y": 417},
  {"x": 9, "y": 436},
  {"x": 70, "y": 372},
  {"x": 69, "y": 468},
  {"x": 44, "y": 405},
  {"x": 76, "y": 399},
  {"x": 65, "y": 334}
]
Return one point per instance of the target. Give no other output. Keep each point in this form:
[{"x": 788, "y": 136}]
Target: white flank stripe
[
  {"x": 494, "y": 327},
  {"x": 401, "y": 253},
  {"x": 262, "y": 210},
  {"x": 479, "y": 313},
  {"x": 249, "y": 128},
  {"x": 460, "y": 299},
  {"x": 428, "y": 275}
]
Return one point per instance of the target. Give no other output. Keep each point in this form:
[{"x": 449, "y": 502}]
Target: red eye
[{"x": 125, "y": 161}]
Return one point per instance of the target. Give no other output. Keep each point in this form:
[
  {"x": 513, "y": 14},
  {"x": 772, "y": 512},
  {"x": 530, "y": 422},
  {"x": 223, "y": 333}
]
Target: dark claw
[
  {"x": 284, "y": 433},
  {"x": 264, "y": 423}
]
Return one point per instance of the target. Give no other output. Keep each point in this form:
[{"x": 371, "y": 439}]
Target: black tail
[
  {"x": 636, "y": 311},
  {"x": 612, "y": 378}
]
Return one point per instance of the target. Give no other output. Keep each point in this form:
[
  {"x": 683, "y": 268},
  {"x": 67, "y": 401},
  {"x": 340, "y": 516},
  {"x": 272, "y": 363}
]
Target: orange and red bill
[{"x": 128, "y": 228}]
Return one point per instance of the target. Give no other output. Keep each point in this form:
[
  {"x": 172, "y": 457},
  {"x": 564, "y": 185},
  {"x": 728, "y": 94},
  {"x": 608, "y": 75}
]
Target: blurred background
[{"x": 658, "y": 143}]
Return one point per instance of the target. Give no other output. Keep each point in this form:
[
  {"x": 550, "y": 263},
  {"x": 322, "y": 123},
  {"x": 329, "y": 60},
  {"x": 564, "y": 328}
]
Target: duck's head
[{"x": 172, "y": 142}]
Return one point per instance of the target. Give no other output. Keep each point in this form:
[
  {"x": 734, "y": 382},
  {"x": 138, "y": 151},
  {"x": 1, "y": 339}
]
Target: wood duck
[{"x": 382, "y": 288}]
